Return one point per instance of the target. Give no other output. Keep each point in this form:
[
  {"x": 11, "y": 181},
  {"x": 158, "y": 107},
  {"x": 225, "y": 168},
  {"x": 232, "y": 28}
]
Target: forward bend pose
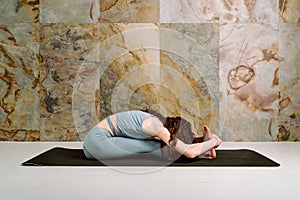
[{"x": 134, "y": 132}]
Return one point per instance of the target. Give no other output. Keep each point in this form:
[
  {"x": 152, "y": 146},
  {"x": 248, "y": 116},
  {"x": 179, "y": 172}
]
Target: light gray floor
[{"x": 55, "y": 183}]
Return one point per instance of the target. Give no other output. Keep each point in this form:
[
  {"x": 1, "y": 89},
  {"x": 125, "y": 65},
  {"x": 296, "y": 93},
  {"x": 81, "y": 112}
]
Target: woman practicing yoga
[{"x": 134, "y": 132}]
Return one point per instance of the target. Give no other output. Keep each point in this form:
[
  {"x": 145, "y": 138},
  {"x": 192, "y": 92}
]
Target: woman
[{"x": 134, "y": 132}]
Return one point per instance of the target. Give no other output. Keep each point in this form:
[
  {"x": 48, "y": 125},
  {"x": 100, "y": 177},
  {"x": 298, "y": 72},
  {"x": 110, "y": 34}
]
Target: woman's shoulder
[
  {"x": 138, "y": 112},
  {"x": 133, "y": 112}
]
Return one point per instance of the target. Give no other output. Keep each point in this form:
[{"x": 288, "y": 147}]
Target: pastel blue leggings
[{"x": 99, "y": 144}]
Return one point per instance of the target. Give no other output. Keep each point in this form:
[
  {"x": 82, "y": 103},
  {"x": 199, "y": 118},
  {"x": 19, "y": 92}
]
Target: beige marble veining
[
  {"x": 17, "y": 11},
  {"x": 189, "y": 64},
  {"x": 182, "y": 95},
  {"x": 248, "y": 73},
  {"x": 249, "y": 11},
  {"x": 289, "y": 11},
  {"x": 197, "y": 44},
  {"x": 129, "y": 11},
  {"x": 230, "y": 64},
  {"x": 129, "y": 57},
  {"x": 289, "y": 76},
  {"x": 189, "y": 11},
  {"x": 19, "y": 82},
  {"x": 69, "y": 11},
  {"x": 86, "y": 95},
  {"x": 65, "y": 48},
  {"x": 141, "y": 40}
]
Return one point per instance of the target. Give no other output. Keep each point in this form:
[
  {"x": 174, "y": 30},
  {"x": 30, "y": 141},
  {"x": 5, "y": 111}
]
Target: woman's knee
[{"x": 93, "y": 143}]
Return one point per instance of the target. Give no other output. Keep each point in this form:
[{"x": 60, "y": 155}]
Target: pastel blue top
[{"x": 129, "y": 124}]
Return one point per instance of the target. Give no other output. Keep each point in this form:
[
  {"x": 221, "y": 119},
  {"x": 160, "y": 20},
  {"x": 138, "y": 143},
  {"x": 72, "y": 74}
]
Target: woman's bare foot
[
  {"x": 208, "y": 135},
  {"x": 212, "y": 154}
]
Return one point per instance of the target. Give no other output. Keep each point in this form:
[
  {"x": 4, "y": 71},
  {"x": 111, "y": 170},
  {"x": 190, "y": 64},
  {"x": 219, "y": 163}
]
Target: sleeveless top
[{"x": 129, "y": 124}]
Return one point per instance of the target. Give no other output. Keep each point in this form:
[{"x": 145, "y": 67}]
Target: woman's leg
[{"x": 99, "y": 144}]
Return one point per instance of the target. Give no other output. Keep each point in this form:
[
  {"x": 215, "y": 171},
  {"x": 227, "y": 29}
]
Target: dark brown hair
[{"x": 177, "y": 126}]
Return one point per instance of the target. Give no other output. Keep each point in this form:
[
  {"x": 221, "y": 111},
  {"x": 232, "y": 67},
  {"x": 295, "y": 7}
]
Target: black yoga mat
[{"x": 59, "y": 156}]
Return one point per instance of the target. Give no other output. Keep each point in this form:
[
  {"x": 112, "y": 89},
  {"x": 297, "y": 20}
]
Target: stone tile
[
  {"x": 129, "y": 66},
  {"x": 249, "y": 81},
  {"x": 189, "y": 11},
  {"x": 251, "y": 11},
  {"x": 133, "y": 11},
  {"x": 289, "y": 11},
  {"x": 70, "y": 56},
  {"x": 86, "y": 95},
  {"x": 289, "y": 76},
  {"x": 19, "y": 82},
  {"x": 17, "y": 11},
  {"x": 69, "y": 11},
  {"x": 189, "y": 73}
]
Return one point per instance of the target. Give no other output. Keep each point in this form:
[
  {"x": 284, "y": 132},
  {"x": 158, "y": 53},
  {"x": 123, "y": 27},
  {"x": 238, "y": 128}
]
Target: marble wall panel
[
  {"x": 129, "y": 66},
  {"x": 189, "y": 73},
  {"x": 66, "y": 50},
  {"x": 249, "y": 76},
  {"x": 289, "y": 76},
  {"x": 19, "y": 82},
  {"x": 69, "y": 11},
  {"x": 189, "y": 11},
  {"x": 250, "y": 11},
  {"x": 133, "y": 11},
  {"x": 289, "y": 11},
  {"x": 233, "y": 65},
  {"x": 17, "y": 11}
]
